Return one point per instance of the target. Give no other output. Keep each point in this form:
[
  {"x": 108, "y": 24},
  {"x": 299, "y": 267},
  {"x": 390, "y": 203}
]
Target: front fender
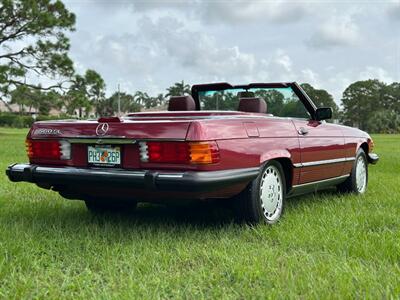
[{"x": 364, "y": 141}]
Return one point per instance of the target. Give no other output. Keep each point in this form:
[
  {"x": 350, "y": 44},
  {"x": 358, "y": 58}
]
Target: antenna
[{"x": 119, "y": 103}]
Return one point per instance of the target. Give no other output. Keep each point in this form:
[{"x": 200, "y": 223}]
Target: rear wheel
[
  {"x": 99, "y": 205},
  {"x": 358, "y": 180},
  {"x": 263, "y": 199}
]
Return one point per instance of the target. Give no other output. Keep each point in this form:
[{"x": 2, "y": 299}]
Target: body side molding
[
  {"x": 324, "y": 162},
  {"x": 316, "y": 185}
]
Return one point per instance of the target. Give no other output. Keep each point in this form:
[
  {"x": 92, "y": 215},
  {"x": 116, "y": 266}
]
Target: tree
[
  {"x": 47, "y": 100},
  {"x": 142, "y": 98},
  {"x": 384, "y": 121},
  {"x": 219, "y": 100},
  {"x": 391, "y": 97},
  {"x": 24, "y": 97},
  {"x": 33, "y": 44},
  {"x": 275, "y": 100},
  {"x": 294, "y": 108},
  {"x": 360, "y": 100},
  {"x": 153, "y": 101},
  {"x": 321, "y": 98},
  {"x": 387, "y": 118},
  {"x": 28, "y": 98},
  {"x": 85, "y": 93},
  {"x": 178, "y": 89},
  {"x": 109, "y": 106},
  {"x": 159, "y": 100}
]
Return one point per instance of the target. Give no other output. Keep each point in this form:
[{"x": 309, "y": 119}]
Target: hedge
[{"x": 18, "y": 121}]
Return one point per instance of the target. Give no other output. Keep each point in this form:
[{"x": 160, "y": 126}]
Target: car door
[{"x": 322, "y": 150}]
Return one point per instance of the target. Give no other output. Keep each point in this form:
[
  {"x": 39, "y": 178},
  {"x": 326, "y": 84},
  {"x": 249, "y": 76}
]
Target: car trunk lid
[{"x": 129, "y": 129}]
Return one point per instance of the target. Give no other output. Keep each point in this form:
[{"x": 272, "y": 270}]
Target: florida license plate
[{"x": 104, "y": 155}]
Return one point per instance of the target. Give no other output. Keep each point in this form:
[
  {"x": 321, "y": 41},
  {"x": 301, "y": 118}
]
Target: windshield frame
[{"x": 299, "y": 92}]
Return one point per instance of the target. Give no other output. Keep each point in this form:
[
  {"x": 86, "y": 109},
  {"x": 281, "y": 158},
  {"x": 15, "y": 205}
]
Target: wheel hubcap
[
  {"x": 271, "y": 193},
  {"x": 361, "y": 175}
]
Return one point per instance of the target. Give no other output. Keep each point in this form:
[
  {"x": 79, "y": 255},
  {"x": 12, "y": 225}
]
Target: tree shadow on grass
[
  {"x": 73, "y": 215},
  {"x": 197, "y": 214}
]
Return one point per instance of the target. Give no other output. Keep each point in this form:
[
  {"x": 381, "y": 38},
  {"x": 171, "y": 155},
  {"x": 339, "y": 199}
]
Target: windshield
[{"x": 282, "y": 102}]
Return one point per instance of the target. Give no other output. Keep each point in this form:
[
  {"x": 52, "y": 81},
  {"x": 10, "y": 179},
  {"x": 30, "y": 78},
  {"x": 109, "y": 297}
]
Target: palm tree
[
  {"x": 159, "y": 100},
  {"x": 142, "y": 98},
  {"x": 178, "y": 89}
]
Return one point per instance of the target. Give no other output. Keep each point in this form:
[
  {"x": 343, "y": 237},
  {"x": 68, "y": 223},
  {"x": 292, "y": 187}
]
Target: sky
[{"x": 150, "y": 45}]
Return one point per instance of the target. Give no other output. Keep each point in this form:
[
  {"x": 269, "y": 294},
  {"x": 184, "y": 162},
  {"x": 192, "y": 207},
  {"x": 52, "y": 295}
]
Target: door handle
[{"x": 302, "y": 131}]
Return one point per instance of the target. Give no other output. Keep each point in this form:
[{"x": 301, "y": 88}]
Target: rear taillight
[
  {"x": 179, "y": 152},
  {"x": 48, "y": 149},
  {"x": 204, "y": 153}
]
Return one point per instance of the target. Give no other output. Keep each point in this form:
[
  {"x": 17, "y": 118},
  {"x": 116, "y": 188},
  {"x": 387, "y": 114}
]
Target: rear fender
[
  {"x": 283, "y": 156},
  {"x": 274, "y": 154}
]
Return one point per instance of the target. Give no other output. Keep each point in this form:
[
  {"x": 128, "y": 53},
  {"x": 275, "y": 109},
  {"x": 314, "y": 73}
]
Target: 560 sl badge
[{"x": 47, "y": 131}]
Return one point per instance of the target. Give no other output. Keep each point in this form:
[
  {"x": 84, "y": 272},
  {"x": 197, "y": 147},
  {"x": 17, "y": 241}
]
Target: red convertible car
[{"x": 256, "y": 144}]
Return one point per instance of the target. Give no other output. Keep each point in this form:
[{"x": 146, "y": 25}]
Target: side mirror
[{"x": 323, "y": 113}]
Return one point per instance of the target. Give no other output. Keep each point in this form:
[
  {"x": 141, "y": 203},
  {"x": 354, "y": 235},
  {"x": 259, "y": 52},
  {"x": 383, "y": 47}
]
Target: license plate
[{"x": 104, "y": 155}]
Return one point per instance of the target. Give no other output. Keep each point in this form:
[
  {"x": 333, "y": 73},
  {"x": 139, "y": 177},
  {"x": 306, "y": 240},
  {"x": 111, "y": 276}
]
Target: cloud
[
  {"x": 373, "y": 72},
  {"x": 394, "y": 10},
  {"x": 311, "y": 77},
  {"x": 163, "y": 47},
  {"x": 243, "y": 12},
  {"x": 225, "y": 12},
  {"x": 194, "y": 50},
  {"x": 149, "y": 45},
  {"x": 340, "y": 80},
  {"x": 336, "y": 31},
  {"x": 279, "y": 66},
  {"x": 283, "y": 60},
  {"x": 141, "y": 5}
]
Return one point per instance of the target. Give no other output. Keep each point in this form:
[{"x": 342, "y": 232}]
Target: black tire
[
  {"x": 249, "y": 206},
  {"x": 99, "y": 205},
  {"x": 352, "y": 185}
]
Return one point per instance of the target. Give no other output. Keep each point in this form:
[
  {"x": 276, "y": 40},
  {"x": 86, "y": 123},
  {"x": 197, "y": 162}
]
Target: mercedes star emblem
[{"x": 102, "y": 129}]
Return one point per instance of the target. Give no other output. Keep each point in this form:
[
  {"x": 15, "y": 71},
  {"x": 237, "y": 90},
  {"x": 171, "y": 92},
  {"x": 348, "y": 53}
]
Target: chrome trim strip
[
  {"x": 101, "y": 141},
  {"x": 170, "y": 175},
  {"x": 101, "y": 137},
  {"x": 97, "y": 140},
  {"x": 323, "y": 162},
  {"x": 19, "y": 167},
  {"x": 81, "y": 137},
  {"x": 333, "y": 179},
  {"x": 91, "y": 171},
  {"x": 209, "y": 117}
]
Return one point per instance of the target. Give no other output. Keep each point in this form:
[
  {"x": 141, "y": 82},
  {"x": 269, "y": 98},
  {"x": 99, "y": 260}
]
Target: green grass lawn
[{"x": 326, "y": 246}]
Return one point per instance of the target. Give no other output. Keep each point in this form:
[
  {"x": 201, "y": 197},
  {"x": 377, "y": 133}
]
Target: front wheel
[
  {"x": 358, "y": 180},
  {"x": 263, "y": 199}
]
